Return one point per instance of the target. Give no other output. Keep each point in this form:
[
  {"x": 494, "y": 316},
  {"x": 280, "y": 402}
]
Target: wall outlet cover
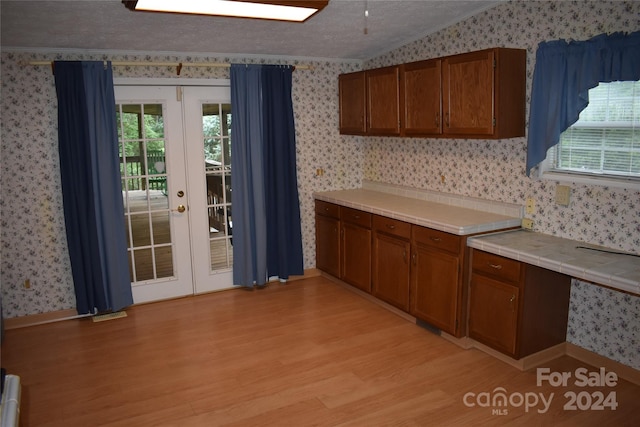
[
  {"x": 527, "y": 224},
  {"x": 530, "y": 206},
  {"x": 563, "y": 195}
]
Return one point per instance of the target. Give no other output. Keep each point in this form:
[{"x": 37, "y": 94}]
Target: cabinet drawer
[
  {"x": 328, "y": 209},
  {"x": 355, "y": 216},
  {"x": 504, "y": 269},
  {"x": 437, "y": 239},
  {"x": 392, "y": 226}
]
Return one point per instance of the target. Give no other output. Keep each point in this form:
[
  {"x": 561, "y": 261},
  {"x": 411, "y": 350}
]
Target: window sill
[{"x": 629, "y": 184}]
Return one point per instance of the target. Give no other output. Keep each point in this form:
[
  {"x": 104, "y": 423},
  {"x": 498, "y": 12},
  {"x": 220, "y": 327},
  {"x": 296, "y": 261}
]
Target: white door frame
[{"x": 191, "y": 278}]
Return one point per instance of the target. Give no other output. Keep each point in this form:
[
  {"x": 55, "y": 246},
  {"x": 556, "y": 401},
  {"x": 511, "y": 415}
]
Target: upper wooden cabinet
[
  {"x": 422, "y": 89},
  {"x": 477, "y": 95},
  {"x": 352, "y": 103},
  {"x": 484, "y": 93},
  {"x": 370, "y": 102},
  {"x": 383, "y": 101}
]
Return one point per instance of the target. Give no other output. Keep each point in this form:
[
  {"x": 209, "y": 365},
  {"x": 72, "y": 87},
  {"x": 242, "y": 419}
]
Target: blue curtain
[
  {"x": 91, "y": 189},
  {"x": 267, "y": 237},
  {"x": 564, "y": 73}
]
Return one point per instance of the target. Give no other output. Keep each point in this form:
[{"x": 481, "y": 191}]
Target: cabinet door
[
  {"x": 356, "y": 256},
  {"x": 391, "y": 270},
  {"x": 328, "y": 244},
  {"x": 383, "y": 101},
  {"x": 493, "y": 313},
  {"x": 352, "y": 87},
  {"x": 421, "y": 86},
  {"x": 435, "y": 278},
  {"x": 468, "y": 93}
]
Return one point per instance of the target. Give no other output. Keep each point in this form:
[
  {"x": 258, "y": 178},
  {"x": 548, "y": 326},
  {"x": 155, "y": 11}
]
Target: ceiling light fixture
[{"x": 279, "y": 10}]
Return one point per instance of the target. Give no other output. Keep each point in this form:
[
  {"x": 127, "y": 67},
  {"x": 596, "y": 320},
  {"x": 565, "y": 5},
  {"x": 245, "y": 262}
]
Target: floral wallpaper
[
  {"x": 32, "y": 221},
  {"x": 601, "y": 320},
  {"x": 32, "y": 231}
]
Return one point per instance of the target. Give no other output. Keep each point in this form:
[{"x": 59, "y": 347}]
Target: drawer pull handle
[
  {"x": 436, "y": 239},
  {"x": 391, "y": 227},
  {"x": 356, "y": 217},
  {"x": 496, "y": 266}
]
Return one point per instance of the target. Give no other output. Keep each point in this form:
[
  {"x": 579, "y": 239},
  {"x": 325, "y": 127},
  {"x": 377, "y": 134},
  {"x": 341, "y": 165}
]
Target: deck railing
[{"x": 142, "y": 175}]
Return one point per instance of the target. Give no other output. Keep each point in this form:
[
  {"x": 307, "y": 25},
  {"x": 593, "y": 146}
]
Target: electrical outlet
[
  {"x": 563, "y": 195},
  {"x": 527, "y": 224},
  {"x": 530, "y": 207}
]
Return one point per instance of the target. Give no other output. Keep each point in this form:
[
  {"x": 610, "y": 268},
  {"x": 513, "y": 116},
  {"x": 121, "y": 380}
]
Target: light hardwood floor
[{"x": 306, "y": 353}]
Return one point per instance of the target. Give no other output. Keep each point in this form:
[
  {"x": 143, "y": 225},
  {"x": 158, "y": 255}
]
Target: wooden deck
[{"x": 144, "y": 225}]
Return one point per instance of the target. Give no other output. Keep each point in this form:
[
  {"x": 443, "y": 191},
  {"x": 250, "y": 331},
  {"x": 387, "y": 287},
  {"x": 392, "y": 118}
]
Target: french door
[{"x": 176, "y": 184}]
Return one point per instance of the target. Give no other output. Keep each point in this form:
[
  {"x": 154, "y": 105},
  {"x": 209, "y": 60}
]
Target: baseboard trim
[
  {"x": 41, "y": 319},
  {"x": 309, "y": 272},
  {"x": 371, "y": 298},
  {"x": 464, "y": 342},
  {"x": 594, "y": 359},
  {"x": 563, "y": 349},
  {"x": 71, "y": 313}
]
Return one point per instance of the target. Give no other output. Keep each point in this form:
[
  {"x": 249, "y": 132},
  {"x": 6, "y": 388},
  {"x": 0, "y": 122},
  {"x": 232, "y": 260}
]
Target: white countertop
[
  {"x": 440, "y": 216},
  {"x": 617, "y": 271}
]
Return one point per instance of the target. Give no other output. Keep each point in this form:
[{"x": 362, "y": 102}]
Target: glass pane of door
[
  {"x": 216, "y": 131},
  {"x": 141, "y": 138}
]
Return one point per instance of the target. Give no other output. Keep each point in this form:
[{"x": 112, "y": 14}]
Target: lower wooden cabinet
[
  {"x": 391, "y": 266},
  {"x": 516, "y": 308},
  {"x": 343, "y": 243},
  {"x": 328, "y": 237},
  {"x": 355, "y": 248},
  {"x": 416, "y": 269},
  {"x": 437, "y": 279},
  {"x": 493, "y": 313}
]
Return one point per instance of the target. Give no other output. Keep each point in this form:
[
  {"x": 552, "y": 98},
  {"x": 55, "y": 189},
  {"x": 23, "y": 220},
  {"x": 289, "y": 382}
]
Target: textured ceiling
[{"x": 336, "y": 32}]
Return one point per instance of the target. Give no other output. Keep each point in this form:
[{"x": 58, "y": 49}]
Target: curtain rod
[{"x": 178, "y": 65}]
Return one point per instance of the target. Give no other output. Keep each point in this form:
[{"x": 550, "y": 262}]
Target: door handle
[{"x": 181, "y": 208}]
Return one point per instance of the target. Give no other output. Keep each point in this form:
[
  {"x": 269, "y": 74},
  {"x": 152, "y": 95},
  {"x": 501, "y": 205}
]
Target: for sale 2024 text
[{"x": 589, "y": 399}]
